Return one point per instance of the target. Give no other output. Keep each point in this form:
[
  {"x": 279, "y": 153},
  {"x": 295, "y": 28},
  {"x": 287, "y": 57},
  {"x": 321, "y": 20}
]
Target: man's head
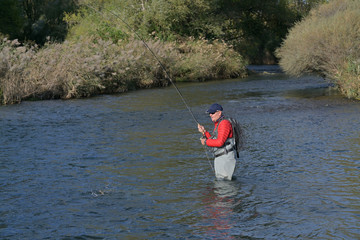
[{"x": 215, "y": 112}]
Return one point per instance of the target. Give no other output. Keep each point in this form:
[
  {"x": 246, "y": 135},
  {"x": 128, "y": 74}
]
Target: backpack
[{"x": 238, "y": 135}]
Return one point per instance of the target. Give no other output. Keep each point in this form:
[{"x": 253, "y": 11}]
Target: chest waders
[{"x": 224, "y": 162}]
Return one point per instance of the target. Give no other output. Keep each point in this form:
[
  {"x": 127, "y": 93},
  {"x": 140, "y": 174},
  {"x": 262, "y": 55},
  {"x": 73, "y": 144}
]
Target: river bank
[{"x": 90, "y": 67}]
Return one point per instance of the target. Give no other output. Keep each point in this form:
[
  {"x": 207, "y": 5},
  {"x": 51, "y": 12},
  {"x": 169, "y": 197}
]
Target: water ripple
[{"x": 130, "y": 166}]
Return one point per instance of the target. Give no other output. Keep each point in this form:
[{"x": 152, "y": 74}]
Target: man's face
[{"x": 215, "y": 116}]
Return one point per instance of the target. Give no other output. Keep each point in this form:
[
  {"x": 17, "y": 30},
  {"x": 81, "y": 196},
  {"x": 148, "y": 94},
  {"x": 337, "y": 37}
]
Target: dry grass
[
  {"x": 14, "y": 60},
  {"x": 93, "y": 66},
  {"x": 201, "y": 60},
  {"x": 327, "y": 42}
]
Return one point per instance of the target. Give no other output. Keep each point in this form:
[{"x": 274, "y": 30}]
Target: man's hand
[{"x": 201, "y": 129}]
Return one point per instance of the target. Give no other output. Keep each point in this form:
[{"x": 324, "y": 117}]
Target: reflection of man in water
[
  {"x": 219, "y": 216},
  {"x": 222, "y": 142}
]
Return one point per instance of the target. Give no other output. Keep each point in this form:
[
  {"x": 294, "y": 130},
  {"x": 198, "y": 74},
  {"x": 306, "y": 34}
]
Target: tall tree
[
  {"x": 44, "y": 18},
  {"x": 11, "y": 18},
  {"x": 35, "y": 19},
  {"x": 257, "y": 27}
]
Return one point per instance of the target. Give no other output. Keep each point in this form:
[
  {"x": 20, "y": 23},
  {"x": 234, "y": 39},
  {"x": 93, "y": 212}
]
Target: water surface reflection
[{"x": 130, "y": 166}]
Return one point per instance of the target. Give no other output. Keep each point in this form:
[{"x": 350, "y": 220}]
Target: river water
[{"x": 131, "y": 166}]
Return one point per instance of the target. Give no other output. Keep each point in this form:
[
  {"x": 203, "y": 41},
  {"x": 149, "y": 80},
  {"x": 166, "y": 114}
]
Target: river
[{"x": 131, "y": 166}]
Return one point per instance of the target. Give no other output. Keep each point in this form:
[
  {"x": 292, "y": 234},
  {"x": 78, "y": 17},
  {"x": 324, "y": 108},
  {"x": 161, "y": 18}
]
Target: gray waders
[{"x": 225, "y": 161}]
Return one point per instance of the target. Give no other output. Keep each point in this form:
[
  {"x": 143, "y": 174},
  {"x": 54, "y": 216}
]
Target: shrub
[
  {"x": 86, "y": 68},
  {"x": 326, "y": 42},
  {"x": 93, "y": 66},
  {"x": 14, "y": 59},
  {"x": 201, "y": 60},
  {"x": 348, "y": 79}
]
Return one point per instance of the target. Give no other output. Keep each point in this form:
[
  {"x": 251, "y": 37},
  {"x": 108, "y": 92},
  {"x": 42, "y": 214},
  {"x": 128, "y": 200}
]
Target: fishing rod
[
  {"x": 154, "y": 55},
  {"x": 161, "y": 65}
]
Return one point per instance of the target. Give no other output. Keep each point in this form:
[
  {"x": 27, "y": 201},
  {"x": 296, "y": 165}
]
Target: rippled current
[{"x": 131, "y": 166}]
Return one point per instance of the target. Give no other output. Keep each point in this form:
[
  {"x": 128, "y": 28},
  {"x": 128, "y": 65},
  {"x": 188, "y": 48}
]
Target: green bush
[
  {"x": 348, "y": 79},
  {"x": 327, "y": 42}
]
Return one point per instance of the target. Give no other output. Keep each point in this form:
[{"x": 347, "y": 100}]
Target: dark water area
[{"x": 131, "y": 166}]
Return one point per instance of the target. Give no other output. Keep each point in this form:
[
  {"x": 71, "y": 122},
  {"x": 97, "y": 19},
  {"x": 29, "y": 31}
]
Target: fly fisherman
[{"x": 221, "y": 141}]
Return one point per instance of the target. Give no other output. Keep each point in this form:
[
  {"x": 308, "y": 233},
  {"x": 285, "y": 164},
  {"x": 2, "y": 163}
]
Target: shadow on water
[{"x": 321, "y": 91}]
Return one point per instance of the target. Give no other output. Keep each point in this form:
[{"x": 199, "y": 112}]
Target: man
[{"x": 222, "y": 142}]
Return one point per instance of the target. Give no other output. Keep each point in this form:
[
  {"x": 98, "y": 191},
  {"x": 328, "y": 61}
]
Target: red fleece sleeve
[
  {"x": 224, "y": 132},
  {"x": 207, "y": 135}
]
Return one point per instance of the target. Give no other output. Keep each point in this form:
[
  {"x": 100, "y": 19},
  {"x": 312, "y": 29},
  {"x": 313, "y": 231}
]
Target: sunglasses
[{"x": 211, "y": 113}]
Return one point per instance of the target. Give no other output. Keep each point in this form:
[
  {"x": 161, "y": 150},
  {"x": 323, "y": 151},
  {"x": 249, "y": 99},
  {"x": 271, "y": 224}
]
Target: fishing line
[
  {"x": 205, "y": 150},
  {"x": 161, "y": 65},
  {"x": 152, "y": 52}
]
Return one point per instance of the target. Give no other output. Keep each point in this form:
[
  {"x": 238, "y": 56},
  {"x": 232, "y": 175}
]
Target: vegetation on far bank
[
  {"x": 95, "y": 66},
  {"x": 195, "y": 40},
  {"x": 327, "y": 42},
  {"x": 255, "y": 28}
]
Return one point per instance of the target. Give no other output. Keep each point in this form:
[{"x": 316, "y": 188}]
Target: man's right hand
[{"x": 201, "y": 129}]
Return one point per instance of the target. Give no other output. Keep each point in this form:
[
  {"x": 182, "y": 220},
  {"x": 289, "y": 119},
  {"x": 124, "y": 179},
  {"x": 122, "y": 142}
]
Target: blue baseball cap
[{"x": 214, "y": 108}]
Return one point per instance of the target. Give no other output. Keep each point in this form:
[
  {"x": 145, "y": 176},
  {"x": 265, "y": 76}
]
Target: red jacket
[{"x": 224, "y": 132}]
